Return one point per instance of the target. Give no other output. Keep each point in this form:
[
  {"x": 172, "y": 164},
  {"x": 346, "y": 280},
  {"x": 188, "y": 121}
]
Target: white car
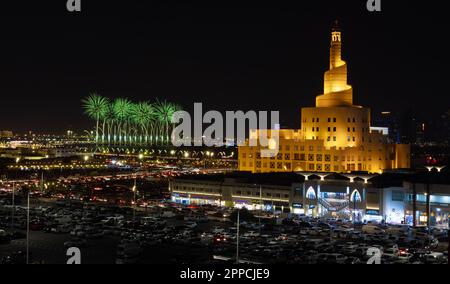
[
  {"x": 392, "y": 252},
  {"x": 434, "y": 258},
  {"x": 371, "y": 229},
  {"x": 218, "y": 230},
  {"x": 190, "y": 225},
  {"x": 251, "y": 234}
]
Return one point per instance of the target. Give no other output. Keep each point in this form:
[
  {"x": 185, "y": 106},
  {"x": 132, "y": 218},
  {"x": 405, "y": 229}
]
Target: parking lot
[{"x": 170, "y": 233}]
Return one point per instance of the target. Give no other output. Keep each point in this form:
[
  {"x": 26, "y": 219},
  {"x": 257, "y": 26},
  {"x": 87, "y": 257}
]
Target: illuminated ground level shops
[
  {"x": 358, "y": 197},
  {"x": 235, "y": 190},
  {"x": 433, "y": 190}
]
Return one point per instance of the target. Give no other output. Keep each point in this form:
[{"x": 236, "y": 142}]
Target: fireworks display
[{"x": 120, "y": 122}]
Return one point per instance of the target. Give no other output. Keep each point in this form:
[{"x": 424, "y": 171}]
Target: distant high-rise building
[
  {"x": 389, "y": 120},
  {"x": 6, "y": 134},
  {"x": 445, "y": 128}
]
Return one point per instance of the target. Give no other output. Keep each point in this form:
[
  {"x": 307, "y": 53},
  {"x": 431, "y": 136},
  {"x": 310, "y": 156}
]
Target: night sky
[{"x": 228, "y": 55}]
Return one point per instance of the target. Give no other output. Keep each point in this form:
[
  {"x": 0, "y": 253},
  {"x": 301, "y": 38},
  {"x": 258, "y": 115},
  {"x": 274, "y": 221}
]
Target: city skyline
[
  {"x": 204, "y": 135},
  {"x": 251, "y": 59}
]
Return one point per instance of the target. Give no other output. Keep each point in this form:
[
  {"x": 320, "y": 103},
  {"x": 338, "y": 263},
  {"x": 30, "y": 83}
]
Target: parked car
[
  {"x": 434, "y": 258},
  {"x": 372, "y": 229}
]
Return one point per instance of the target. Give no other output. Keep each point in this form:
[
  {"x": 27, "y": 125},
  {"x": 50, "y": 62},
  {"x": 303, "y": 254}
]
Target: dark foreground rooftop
[{"x": 287, "y": 179}]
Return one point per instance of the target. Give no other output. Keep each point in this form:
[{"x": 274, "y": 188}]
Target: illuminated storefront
[{"x": 361, "y": 198}]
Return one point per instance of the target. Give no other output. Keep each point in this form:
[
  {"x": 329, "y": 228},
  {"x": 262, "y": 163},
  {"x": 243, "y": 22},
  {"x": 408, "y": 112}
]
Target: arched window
[
  {"x": 355, "y": 196},
  {"x": 310, "y": 193}
]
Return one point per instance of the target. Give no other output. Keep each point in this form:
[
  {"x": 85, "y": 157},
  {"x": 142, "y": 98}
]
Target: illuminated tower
[
  {"x": 335, "y": 135},
  {"x": 336, "y": 90}
]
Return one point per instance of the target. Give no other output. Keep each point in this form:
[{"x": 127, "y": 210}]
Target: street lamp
[
  {"x": 13, "y": 207},
  {"x": 134, "y": 199},
  {"x": 237, "y": 237}
]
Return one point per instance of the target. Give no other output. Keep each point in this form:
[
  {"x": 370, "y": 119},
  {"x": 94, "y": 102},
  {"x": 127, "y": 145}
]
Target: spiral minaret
[{"x": 336, "y": 90}]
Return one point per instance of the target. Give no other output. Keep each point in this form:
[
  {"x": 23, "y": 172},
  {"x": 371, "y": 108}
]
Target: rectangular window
[{"x": 398, "y": 195}]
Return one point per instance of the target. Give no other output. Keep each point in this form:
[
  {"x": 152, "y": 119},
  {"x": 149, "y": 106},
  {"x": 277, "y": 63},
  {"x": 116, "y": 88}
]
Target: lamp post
[
  {"x": 414, "y": 197},
  {"x": 237, "y": 238},
  {"x": 13, "y": 206},
  {"x": 134, "y": 199},
  {"x": 260, "y": 208},
  {"x": 28, "y": 226}
]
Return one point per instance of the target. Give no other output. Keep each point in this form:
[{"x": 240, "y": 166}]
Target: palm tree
[
  {"x": 96, "y": 108},
  {"x": 164, "y": 111},
  {"x": 122, "y": 109},
  {"x": 143, "y": 115}
]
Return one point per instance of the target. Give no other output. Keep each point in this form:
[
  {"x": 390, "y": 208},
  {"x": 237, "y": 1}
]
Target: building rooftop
[
  {"x": 282, "y": 179},
  {"x": 391, "y": 179}
]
